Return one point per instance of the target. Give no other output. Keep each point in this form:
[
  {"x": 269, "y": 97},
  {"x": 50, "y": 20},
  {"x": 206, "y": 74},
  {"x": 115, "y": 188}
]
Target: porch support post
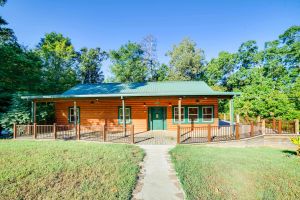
[
  {"x": 15, "y": 130},
  {"x": 179, "y": 111},
  {"x": 54, "y": 131},
  {"x": 237, "y": 118},
  {"x": 231, "y": 108},
  {"x": 33, "y": 112},
  {"x": 297, "y": 126},
  {"x": 75, "y": 118},
  {"x": 237, "y": 131},
  {"x": 178, "y": 134},
  {"x": 251, "y": 129},
  {"x": 263, "y": 126},
  {"x": 124, "y": 117}
]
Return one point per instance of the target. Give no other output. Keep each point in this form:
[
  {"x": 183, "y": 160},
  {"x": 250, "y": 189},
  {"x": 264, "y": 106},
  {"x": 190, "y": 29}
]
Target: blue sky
[{"x": 214, "y": 25}]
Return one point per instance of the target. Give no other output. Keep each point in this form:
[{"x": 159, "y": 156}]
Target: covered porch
[{"x": 130, "y": 110}]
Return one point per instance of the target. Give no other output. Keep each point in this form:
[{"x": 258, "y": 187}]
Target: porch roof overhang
[
  {"x": 224, "y": 95},
  {"x": 148, "y": 89}
]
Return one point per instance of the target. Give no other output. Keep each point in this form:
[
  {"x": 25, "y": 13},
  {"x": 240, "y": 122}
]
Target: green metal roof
[{"x": 169, "y": 88}]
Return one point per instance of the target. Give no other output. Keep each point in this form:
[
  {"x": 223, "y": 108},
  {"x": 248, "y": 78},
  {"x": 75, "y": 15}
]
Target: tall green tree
[
  {"x": 128, "y": 64},
  {"x": 20, "y": 70},
  {"x": 162, "y": 73},
  {"x": 218, "y": 70},
  {"x": 6, "y": 34},
  {"x": 90, "y": 63},
  {"x": 261, "y": 98},
  {"x": 290, "y": 41},
  {"x": 59, "y": 62},
  {"x": 247, "y": 58},
  {"x": 186, "y": 61}
]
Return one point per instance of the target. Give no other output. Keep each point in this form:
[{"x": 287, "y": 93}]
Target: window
[
  {"x": 176, "y": 114},
  {"x": 207, "y": 114},
  {"x": 193, "y": 114},
  {"x": 127, "y": 115},
  {"x": 72, "y": 116}
]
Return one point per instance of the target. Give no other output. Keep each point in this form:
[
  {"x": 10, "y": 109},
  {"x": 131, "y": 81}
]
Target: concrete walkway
[{"x": 157, "y": 179}]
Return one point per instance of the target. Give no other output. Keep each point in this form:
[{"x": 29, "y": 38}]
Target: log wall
[{"x": 105, "y": 111}]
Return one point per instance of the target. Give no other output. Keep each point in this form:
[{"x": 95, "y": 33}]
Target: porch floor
[
  {"x": 148, "y": 137},
  {"x": 156, "y": 137}
]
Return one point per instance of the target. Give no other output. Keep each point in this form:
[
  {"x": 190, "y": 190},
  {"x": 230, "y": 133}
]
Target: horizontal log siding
[{"x": 105, "y": 111}]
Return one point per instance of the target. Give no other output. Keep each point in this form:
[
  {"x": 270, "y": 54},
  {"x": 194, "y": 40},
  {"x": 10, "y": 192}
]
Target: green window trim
[
  {"x": 120, "y": 115},
  {"x": 69, "y": 114},
  {"x": 200, "y": 119}
]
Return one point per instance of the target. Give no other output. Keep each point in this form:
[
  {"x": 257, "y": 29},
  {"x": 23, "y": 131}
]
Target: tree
[
  {"x": 162, "y": 73},
  {"x": 273, "y": 61},
  {"x": 186, "y": 61},
  {"x": 247, "y": 55},
  {"x": 18, "y": 112},
  {"x": 219, "y": 69},
  {"x": 90, "y": 62},
  {"x": 59, "y": 57},
  {"x": 2, "y": 2},
  {"x": 290, "y": 41},
  {"x": 20, "y": 70},
  {"x": 149, "y": 45},
  {"x": 261, "y": 98},
  {"x": 247, "y": 58},
  {"x": 7, "y": 35},
  {"x": 127, "y": 63}
]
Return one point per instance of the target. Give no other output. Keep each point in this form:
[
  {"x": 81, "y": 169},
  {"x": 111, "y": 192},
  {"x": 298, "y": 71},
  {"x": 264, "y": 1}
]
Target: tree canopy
[
  {"x": 128, "y": 63},
  {"x": 186, "y": 61},
  {"x": 90, "y": 63}
]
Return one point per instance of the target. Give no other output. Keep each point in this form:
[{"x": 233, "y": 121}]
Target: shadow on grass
[
  {"x": 6, "y": 136},
  {"x": 289, "y": 152}
]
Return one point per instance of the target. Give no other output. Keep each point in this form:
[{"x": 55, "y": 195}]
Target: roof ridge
[{"x": 187, "y": 81}]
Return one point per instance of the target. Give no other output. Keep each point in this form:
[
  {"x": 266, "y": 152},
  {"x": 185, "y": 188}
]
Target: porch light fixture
[
  {"x": 144, "y": 104},
  {"x": 197, "y": 101},
  {"x": 170, "y": 104}
]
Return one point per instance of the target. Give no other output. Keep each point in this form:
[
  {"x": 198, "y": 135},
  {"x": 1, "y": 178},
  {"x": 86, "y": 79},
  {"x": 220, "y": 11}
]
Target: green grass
[
  {"x": 67, "y": 170},
  {"x": 237, "y": 173}
]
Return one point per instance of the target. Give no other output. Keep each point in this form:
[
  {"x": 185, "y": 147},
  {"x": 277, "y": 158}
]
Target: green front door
[{"x": 157, "y": 118}]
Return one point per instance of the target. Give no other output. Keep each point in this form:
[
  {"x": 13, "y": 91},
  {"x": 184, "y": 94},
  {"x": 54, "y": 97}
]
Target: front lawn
[
  {"x": 237, "y": 173},
  {"x": 67, "y": 170}
]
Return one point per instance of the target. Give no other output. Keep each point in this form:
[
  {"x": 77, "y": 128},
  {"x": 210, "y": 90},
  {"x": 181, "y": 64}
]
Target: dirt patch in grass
[
  {"x": 67, "y": 170},
  {"x": 237, "y": 173}
]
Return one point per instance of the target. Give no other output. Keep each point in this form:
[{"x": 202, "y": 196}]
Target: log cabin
[{"x": 149, "y": 106}]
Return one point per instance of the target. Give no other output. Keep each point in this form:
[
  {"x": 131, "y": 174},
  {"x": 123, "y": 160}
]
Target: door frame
[{"x": 164, "y": 109}]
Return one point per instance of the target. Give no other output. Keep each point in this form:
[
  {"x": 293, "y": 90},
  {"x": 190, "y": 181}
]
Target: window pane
[
  {"x": 207, "y": 110},
  {"x": 127, "y": 115},
  {"x": 193, "y": 114},
  {"x": 207, "y": 114},
  {"x": 193, "y": 110},
  {"x": 72, "y": 116}
]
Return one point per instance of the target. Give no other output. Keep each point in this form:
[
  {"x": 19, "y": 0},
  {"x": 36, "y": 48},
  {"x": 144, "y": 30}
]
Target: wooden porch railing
[
  {"x": 209, "y": 133},
  {"x": 80, "y": 132},
  {"x": 188, "y": 134},
  {"x": 185, "y": 134}
]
